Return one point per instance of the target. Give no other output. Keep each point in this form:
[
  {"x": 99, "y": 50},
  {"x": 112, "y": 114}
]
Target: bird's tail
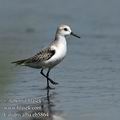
[{"x": 19, "y": 62}]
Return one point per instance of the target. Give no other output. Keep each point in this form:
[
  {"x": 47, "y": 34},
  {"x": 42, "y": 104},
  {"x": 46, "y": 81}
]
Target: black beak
[{"x": 73, "y": 34}]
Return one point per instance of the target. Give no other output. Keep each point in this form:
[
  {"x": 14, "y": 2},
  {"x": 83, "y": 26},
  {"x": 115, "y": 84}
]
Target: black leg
[
  {"x": 53, "y": 82},
  {"x": 47, "y": 75}
]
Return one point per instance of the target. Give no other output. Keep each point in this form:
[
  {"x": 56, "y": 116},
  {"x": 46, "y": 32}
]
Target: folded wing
[{"x": 43, "y": 55}]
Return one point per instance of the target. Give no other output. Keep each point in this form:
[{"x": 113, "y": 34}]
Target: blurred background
[{"x": 89, "y": 77}]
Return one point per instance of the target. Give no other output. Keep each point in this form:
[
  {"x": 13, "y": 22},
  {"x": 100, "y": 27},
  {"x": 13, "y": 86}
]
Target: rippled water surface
[{"x": 89, "y": 76}]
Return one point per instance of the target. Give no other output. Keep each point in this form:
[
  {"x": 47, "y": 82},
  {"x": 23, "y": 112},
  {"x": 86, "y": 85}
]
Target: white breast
[{"x": 60, "y": 48}]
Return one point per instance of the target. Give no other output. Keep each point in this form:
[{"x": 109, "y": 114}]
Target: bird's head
[{"x": 65, "y": 30}]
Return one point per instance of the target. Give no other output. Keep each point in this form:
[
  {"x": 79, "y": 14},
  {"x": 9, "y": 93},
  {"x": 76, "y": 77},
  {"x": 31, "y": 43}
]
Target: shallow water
[{"x": 89, "y": 79}]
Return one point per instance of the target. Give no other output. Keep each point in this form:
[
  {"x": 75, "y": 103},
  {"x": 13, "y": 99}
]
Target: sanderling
[{"x": 50, "y": 56}]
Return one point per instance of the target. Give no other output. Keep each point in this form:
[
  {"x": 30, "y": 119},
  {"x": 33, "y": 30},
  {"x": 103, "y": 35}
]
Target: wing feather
[{"x": 43, "y": 55}]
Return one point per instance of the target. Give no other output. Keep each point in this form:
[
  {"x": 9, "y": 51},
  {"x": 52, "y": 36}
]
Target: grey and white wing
[{"x": 43, "y": 55}]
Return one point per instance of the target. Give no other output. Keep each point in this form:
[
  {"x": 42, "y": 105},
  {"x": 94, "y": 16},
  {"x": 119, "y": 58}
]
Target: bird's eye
[{"x": 65, "y": 29}]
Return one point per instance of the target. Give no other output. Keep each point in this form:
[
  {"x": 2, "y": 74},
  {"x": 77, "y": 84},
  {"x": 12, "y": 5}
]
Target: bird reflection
[{"x": 46, "y": 109}]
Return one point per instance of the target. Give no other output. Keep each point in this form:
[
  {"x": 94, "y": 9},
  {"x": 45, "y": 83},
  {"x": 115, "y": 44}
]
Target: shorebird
[{"x": 50, "y": 56}]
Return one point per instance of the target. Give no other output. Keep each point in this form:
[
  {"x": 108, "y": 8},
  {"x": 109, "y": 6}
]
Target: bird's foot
[
  {"x": 49, "y": 88},
  {"x": 53, "y": 82}
]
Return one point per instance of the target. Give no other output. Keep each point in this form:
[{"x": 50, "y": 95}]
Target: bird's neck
[
  {"x": 59, "y": 43},
  {"x": 60, "y": 39}
]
